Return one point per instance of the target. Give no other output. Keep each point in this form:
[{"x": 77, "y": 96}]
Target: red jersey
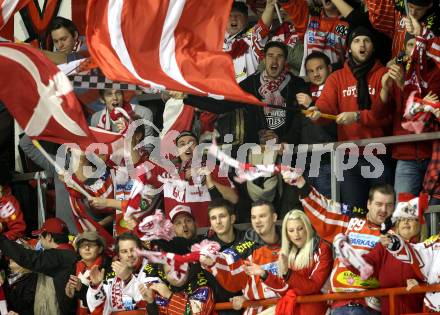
[
  {"x": 330, "y": 218},
  {"x": 11, "y": 218},
  {"x": 320, "y": 33},
  {"x": 385, "y": 17},
  {"x": 228, "y": 269},
  {"x": 177, "y": 190}
]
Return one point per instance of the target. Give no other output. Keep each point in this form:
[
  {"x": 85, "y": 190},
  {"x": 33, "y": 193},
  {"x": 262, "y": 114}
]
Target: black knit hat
[
  {"x": 359, "y": 31},
  {"x": 240, "y": 7}
]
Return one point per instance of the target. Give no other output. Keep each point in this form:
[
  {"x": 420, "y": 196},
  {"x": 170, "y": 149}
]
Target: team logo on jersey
[
  {"x": 271, "y": 267},
  {"x": 201, "y": 294},
  {"x": 364, "y": 240},
  {"x": 353, "y": 280}
]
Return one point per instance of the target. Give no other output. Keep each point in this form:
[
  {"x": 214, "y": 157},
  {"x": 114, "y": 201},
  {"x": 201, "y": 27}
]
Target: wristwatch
[{"x": 358, "y": 116}]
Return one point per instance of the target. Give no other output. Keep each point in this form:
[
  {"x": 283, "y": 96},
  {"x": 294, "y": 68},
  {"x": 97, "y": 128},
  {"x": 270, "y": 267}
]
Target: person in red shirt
[
  {"x": 12, "y": 223},
  {"x": 305, "y": 263},
  {"x": 186, "y": 182},
  {"x": 363, "y": 229},
  {"x": 322, "y": 28},
  {"x": 358, "y": 95},
  {"x": 407, "y": 225}
]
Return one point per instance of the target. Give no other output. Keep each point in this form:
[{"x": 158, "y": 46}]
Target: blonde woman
[{"x": 304, "y": 265}]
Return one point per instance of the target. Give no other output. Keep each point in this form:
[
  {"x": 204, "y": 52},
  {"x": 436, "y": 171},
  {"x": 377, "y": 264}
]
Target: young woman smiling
[{"x": 304, "y": 265}]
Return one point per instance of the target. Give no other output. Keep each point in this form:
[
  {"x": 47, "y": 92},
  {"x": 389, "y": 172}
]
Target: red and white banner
[
  {"x": 41, "y": 98},
  {"x": 8, "y": 8},
  {"x": 167, "y": 44}
]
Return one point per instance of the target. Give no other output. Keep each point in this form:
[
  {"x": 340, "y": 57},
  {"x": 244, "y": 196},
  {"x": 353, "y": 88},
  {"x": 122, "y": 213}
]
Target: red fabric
[
  {"x": 231, "y": 276},
  {"x": 382, "y": 262},
  {"x": 13, "y": 227},
  {"x": 286, "y": 305},
  {"x": 419, "y": 150},
  {"x": 320, "y": 32},
  {"x": 198, "y": 59},
  {"x": 339, "y": 96},
  {"x": 181, "y": 192},
  {"x": 179, "y": 301},
  {"x": 328, "y": 220},
  {"x": 8, "y": 8},
  {"x": 306, "y": 281},
  {"x": 27, "y": 66},
  {"x": 83, "y": 221},
  {"x": 387, "y": 19},
  {"x": 82, "y": 269},
  {"x": 299, "y": 13}
]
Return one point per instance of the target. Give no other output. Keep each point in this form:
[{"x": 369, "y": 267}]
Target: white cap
[{"x": 180, "y": 209}]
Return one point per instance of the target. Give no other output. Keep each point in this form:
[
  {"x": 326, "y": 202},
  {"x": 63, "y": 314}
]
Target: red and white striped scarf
[{"x": 103, "y": 187}]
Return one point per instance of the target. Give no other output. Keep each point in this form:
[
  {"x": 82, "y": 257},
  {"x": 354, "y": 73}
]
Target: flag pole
[
  {"x": 277, "y": 8},
  {"x": 60, "y": 170}
]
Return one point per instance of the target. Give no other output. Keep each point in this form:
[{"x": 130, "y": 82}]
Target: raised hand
[
  {"x": 96, "y": 275},
  {"x": 412, "y": 26},
  {"x": 293, "y": 179}
]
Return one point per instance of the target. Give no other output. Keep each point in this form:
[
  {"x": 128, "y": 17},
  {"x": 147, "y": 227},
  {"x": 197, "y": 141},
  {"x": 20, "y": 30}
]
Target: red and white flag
[
  {"x": 167, "y": 44},
  {"x": 41, "y": 98},
  {"x": 8, "y": 8}
]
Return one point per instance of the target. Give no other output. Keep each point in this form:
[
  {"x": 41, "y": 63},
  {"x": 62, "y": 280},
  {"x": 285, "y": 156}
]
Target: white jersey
[{"x": 425, "y": 258}]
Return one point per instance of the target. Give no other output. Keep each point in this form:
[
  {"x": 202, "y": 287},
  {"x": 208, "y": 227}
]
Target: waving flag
[
  {"x": 167, "y": 44},
  {"x": 8, "y": 8},
  {"x": 41, "y": 98}
]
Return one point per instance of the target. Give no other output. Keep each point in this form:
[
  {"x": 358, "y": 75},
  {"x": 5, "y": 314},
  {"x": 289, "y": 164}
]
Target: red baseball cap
[
  {"x": 52, "y": 225},
  {"x": 180, "y": 209}
]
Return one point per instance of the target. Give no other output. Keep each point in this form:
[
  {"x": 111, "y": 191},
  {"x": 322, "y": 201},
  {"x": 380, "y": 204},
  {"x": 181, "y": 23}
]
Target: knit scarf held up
[{"x": 360, "y": 72}]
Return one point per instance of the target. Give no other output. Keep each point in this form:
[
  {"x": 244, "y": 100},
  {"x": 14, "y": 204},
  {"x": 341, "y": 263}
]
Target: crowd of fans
[{"x": 357, "y": 61}]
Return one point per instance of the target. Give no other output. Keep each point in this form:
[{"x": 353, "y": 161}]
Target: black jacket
[
  {"x": 253, "y": 118},
  {"x": 20, "y": 295},
  {"x": 56, "y": 263}
]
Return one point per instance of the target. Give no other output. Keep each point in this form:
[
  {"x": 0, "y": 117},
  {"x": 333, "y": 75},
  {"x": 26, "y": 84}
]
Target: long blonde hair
[{"x": 298, "y": 258}]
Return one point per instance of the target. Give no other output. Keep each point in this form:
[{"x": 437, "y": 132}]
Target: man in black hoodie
[
  {"x": 57, "y": 261},
  {"x": 274, "y": 86}
]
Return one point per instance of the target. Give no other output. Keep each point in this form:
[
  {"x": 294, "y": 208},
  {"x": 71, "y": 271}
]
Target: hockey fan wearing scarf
[
  {"x": 274, "y": 86},
  {"x": 112, "y": 119}
]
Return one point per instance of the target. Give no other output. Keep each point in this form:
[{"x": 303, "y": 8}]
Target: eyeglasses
[{"x": 90, "y": 245}]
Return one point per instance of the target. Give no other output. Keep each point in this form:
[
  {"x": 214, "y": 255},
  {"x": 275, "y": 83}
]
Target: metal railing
[{"x": 390, "y": 292}]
